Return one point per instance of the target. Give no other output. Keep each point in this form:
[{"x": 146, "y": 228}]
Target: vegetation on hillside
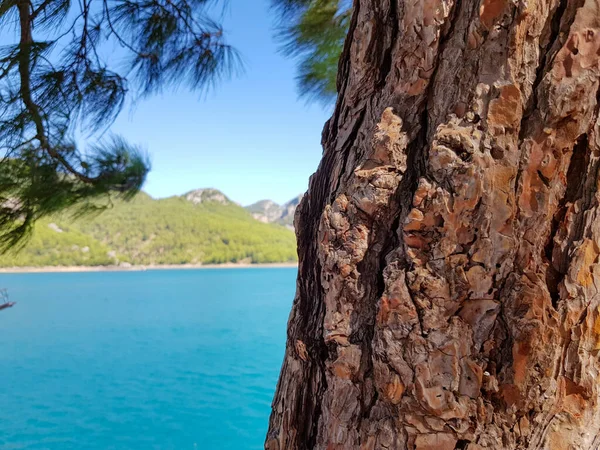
[{"x": 146, "y": 231}]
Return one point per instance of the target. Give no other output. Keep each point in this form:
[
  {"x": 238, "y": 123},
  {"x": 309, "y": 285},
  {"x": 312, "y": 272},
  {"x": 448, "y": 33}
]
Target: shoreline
[{"x": 74, "y": 269}]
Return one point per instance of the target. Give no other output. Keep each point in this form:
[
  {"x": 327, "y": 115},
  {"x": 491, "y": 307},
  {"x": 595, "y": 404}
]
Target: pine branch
[
  {"x": 313, "y": 32},
  {"x": 45, "y": 97},
  {"x": 25, "y": 74},
  {"x": 36, "y": 12}
]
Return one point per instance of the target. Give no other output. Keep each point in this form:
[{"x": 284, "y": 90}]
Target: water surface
[{"x": 174, "y": 359}]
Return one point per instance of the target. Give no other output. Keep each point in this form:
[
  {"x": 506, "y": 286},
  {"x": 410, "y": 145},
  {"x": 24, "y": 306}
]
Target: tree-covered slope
[{"x": 166, "y": 231}]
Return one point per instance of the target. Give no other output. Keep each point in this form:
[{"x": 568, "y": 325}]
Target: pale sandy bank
[{"x": 51, "y": 269}]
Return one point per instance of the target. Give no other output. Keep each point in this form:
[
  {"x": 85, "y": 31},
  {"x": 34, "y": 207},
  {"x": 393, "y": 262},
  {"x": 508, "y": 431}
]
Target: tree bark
[{"x": 448, "y": 284}]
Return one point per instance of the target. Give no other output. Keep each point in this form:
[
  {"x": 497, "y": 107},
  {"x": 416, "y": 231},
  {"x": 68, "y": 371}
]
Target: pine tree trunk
[{"x": 448, "y": 288}]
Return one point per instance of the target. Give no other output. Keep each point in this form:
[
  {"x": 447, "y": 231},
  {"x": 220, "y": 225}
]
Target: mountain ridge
[
  {"x": 202, "y": 226},
  {"x": 267, "y": 211}
]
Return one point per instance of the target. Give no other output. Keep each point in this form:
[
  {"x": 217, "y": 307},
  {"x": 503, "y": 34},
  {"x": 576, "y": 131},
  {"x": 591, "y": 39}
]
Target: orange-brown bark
[{"x": 448, "y": 281}]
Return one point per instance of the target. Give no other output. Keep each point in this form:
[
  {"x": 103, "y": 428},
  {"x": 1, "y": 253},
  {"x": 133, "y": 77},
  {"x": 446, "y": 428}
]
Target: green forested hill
[{"x": 193, "y": 229}]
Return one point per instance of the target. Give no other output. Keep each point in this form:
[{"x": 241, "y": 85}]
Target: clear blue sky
[{"x": 251, "y": 137}]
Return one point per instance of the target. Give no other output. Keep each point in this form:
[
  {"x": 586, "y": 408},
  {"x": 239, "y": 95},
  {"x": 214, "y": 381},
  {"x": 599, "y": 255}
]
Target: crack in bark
[
  {"x": 577, "y": 174},
  {"x": 553, "y": 277},
  {"x": 386, "y": 64},
  {"x": 544, "y": 65},
  {"x": 403, "y": 196},
  {"x": 407, "y": 187},
  {"x": 574, "y": 192},
  {"x": 345, "y": 151}
]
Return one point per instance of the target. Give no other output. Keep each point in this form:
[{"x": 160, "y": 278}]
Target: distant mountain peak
[
  {"x": 207, "y": 195},
  {"x": 266, "y": 211},
  {"x": 270, "y": 212}
]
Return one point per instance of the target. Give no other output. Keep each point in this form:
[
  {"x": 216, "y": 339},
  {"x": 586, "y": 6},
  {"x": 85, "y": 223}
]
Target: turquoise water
[{"x": 142, "y": 360}]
